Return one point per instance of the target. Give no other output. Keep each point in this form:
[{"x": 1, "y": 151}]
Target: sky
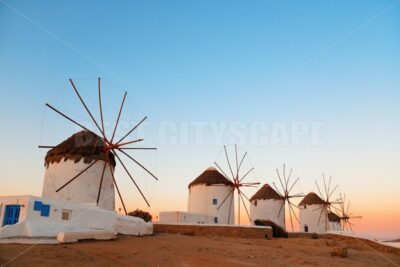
[{"x": 313, "y": 84}]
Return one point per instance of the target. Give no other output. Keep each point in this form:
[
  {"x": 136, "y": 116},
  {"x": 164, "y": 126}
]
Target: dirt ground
[{"x": 179, "y": 250}]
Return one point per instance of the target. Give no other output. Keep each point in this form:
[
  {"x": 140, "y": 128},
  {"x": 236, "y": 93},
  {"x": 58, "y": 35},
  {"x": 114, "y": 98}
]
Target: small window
[
  {"x": 66, "y": 215},
  {"x": 215, "y": 201},
  {"x": 37, "y": 205},
  {"x": 45, "y": 211},
  {"x": 215, "y": 219},
  {"x": 306, "y": 228},
  {"x": 255, "y": 202}
]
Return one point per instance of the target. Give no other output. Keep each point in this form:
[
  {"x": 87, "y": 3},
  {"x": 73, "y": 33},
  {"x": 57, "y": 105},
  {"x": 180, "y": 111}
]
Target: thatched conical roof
[
  {"x": 82, "y": 145},
  {"x": 266, "y": 192},
  {"x": 312, "y": 199},
  {"x": 333, "y": 217},
  {"x": 210, "y": 177}
]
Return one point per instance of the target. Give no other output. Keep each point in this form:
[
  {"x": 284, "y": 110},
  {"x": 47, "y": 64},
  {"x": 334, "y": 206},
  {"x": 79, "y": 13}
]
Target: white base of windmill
[
  {"x": 268, "y": 209},
  {"x": 334, "y": 226},
  {"x": 205, "y": 200},
  {"x": 83, "y": 189},
  {"x": 46, "y": 218},
  {"x": 309, "y": 217}
]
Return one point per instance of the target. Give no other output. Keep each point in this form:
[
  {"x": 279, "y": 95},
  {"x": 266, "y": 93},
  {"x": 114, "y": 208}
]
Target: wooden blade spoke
[
  {"x": 282, "y": 206},
  {"x": 119, "y": 116},
  {"x": 220, "y": 169},
  {"x": 252, "y": 183},
  {"x": 351, "y": 226},
  {"x": 130, "y": 176},
  {"x": 237, "y": 163},
  {"x": 241, "y": 161},
  {"x": 329, "y": 184},
  {"x": 276, "y": 189},
  {"x": 345, "y": 227},
  {"x": 68, "y": 118},
  {"x": 130, "y": 142},
  {"x": 101, "y": 182},
  {"x": 87, "y": 109},
  {"x": 291, "y": 207},
  {"x": 144, "y": 168},
  {"x": 333, "y": 191},
  {"x": 326, "y": 192},
  {"x": 284, "y": 176},
  {"x": 245, "y": 207},
  {"x": 336, "y": 209},
  {"x": 76, "y": 176},
  {"x": 290, "y": 189},
  {"x": 116, "y": 186},
  {"x": 229, "y": 163},
  {"x": 348, "y": 208},
  {"x": 291, "y": 219},
  {"x": 255, "y": 186},
  {"x": 101, "y": 108},
  {"x": 139, "y": 148},
  {"x": 322, "y": 210},
  {"x": 46, "y": 146},
  {"x": 297, "y": 195},
  {"x": 294, "y": 205},
  {"x": 230, "y": 209},
  {"x": 247, "y": 173},
  {"x": 319, "y": 191},
  {"x": 244, "y": 195},
  {"x": 238, "y": 208},
  {"x": 288, "y": 179},
  {"x": 223, "y": 201},
  {"x": 280, "y": 180},
  {"x": 137, "y": 125}
]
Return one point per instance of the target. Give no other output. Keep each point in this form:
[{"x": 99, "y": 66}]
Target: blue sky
[{"x": 335, "y": 62}]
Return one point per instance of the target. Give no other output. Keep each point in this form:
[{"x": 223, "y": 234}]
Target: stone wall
[{"x": 215, "y": 230}]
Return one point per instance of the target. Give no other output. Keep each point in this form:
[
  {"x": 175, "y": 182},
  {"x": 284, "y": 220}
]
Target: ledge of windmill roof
[
  {"x": 210, "y": 177},
  {"x": 81, "y": 145},
  {"x": 333, "y": 217},
  {"x": 312, "y": 199},
  {"x": 266, "y": 192}
]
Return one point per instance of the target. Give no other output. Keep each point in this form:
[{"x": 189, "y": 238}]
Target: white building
[
  {"x": 73, "y": 209},
  {"x": 70, "y": 158},
  {"x": 313, "y": 214},
  {"x": 266, "y": 204},
  {"x": 29, "y": 216},
  {"x": 334, "y": 222},
  {"x": 210, "y": 201}
]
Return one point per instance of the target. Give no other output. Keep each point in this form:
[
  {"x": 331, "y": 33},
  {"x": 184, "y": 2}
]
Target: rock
[
  {"x": 339, "y": 252},
  {"x": 70, "y": 237}
]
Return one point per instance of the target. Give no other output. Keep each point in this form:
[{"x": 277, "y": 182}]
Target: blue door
[{"x": 11, "y": 214}]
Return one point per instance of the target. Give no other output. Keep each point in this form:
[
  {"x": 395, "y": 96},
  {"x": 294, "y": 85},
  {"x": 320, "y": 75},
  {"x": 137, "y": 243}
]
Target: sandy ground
[{"x": 178, "y": 250}]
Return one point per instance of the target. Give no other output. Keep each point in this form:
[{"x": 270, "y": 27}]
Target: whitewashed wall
[
  {"x": 182, "y": 217},
  {"x": 334, "y": 226},
  {"x": 310, "y": 216},
  {"x": 83, "y": 218},
  {"x": 268, "y": 209},
  {"x": 83, "y": 189},
  {"x": 200, "y": 201},
  {"x": 14, "y": 200}
]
